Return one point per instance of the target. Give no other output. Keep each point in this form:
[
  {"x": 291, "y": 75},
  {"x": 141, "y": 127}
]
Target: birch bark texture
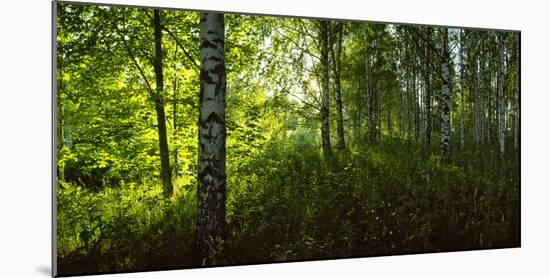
[
  {"x": 445, "y": 99},
  {"x": 211, "y": 193},
  {"x": 462, "y": 88}
]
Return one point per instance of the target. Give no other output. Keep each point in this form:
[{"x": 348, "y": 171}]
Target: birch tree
[
  {"x": 462, "y": 88},
  {"x": 325, "y": 122},
  {"x": 428, "y": 90},
  {"x": 336, "y": 66},
  {"x": 501, "y": 96},
  {"x": 445, "y": 99},
  {"x": 211, "y": 193}
]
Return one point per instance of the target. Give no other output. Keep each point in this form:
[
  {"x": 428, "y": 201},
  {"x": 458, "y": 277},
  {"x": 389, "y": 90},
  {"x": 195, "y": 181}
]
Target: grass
[{"x": 289, "y": 203}]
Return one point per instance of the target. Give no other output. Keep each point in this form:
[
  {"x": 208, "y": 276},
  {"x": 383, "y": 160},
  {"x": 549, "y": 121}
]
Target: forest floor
[{"x": 289, "y": 203}]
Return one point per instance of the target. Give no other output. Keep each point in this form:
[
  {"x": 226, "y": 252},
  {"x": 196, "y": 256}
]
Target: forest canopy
[{"x": 193, "y": 138}]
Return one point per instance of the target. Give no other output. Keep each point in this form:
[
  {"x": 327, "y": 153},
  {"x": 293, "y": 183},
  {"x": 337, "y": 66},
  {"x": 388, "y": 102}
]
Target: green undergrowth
[{"x": 287, "y": 202}]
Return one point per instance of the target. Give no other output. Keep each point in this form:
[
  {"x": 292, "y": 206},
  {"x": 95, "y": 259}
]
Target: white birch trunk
[
  {"x": 325, "y": 123},
  {"x": 501, "y": 97},
  {"x": 445, "y": 100},
  {"x": 211, "y": 193},
  {"x": 462, "y": 81}
]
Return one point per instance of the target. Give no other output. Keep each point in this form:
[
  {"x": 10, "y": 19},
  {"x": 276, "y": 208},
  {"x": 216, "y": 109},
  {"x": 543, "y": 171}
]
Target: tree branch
[
  {"x": 177, "y": 41},
  {"x": 129, "y": 50}
]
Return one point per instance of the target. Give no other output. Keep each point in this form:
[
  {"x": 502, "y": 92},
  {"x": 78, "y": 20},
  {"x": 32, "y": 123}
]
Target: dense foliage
[{"x": 391, "y": 189}]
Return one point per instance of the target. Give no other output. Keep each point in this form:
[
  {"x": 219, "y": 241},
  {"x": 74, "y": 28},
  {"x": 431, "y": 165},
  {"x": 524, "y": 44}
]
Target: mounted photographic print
[{"x": 187, "y": 139}]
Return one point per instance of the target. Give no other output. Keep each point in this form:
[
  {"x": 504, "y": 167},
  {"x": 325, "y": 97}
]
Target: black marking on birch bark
[
  {"x": 208, "y": 44},
  {"x": 220, "y": 88},
  {"x": 205, "y": 76},
  {"x": 213, "y": 117},
  {"x": 214, "y": 58},
  {"x": 219, "y": 69},
  {"x": 212, "y": 135}
]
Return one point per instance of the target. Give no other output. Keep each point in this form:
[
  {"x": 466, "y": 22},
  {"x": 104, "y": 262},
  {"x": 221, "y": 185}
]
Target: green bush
[{"x": 288, "y": 202}]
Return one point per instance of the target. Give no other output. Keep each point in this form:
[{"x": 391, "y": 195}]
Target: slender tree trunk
[
  {"x": 400, "y": 114},
  {"x": 462, "y": 118},
  {"x": 428, "y": 97},
  {"x": 175, "y": 116},
  {"x": 445, "y": 100},
  {"x": 60, "y": 133},
  {"x": 492, "y": 84},
  {"x": 378, "y": 111},
  {"x": 165, "y": 172},
  {"x": 409, "y": 104},
  {"x": 358, "y": 112},
  {"x": 422, "y": 119},
  {"x": 388, "y": 113},
  {"x": 400, "y": 94},
  {"x": 325, "y": 122},
  {"x": 517, "y": 96},
  {"x": 501, "y": 97},
  {"x": 473, "y": 104},
  {"x": 175, "y": 119},
  {"x": 211, "y": 193},
  {"x": 416, "y": 107},
  {"x": 462, "y": 82},
  {"x": 477, "y": 121},
  {"x": 336, "y": 66},
  {"x": 482, "y": 97},
  {"x": 491, "y": 112},
  {"x": 368, "y": 90},
  {"x": 339, "y": 108}
]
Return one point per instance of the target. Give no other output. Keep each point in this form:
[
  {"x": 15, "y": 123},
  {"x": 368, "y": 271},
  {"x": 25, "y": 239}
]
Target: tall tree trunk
[
  {"x": 501, "y": 97},
  {"x": 410, "y": 107},
  {"x": 368, "y": 90},
  {"x": 400, "y": 113},
  {"x": 491, "y": 112},
  {"x": 416, "y": 94},
  {"x": 325, "y": 122},
  {"x": 517, "y": 96},
  {"x": 422, "y": 119},
  {"x": 389, "y": 115},
  {"x": 378, "y": 111},
  {"x": 445, "y": 100},
  {"x": 211, "y": 193},
  {"x": 358, "y": 118},
  {"x": 60, "y": 131},
  {"x": 462, "y": 82},
  {"x": 428, "y": 97},
  {"x": 483, "y": 96},
  {"x": 158, "y": 97},
  {"x": 337, "y": 87},
  {"x": 492, "y": 84},
  {"x": 175, "y": 119},
  {"x": 477, "y": 121}
]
